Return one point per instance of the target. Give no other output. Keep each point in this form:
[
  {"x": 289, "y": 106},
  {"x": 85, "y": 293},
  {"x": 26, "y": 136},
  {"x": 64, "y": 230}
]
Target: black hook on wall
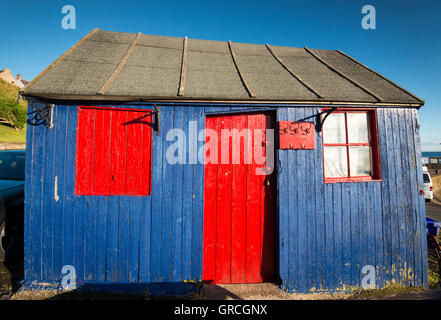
[
  {"x": 321, "y": 121},
  {"x": 157, "y": 119},
  {"x": 41, "y": 115}
]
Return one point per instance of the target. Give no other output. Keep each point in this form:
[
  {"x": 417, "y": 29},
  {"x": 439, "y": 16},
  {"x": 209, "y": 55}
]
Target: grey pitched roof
[{"x": 108, "y": 65}]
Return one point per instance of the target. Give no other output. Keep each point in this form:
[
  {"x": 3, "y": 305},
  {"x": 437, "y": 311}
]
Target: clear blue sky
[{"x": 405, "y": 46}]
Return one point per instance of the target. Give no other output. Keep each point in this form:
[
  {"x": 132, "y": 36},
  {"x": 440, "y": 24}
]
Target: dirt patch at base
[{"x": 261, "y": 291}]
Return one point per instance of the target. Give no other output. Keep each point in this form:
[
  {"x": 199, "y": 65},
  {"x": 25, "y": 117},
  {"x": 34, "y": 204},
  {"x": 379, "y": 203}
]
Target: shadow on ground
[
  {"x": 11, "y": 276},
  {"x": 104, "y": 292}
]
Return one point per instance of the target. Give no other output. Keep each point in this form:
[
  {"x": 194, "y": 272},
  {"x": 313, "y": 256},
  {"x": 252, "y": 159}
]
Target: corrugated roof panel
[
  {"x": 337, "y": 89},
  {"x": 114, "y": 37},
  {"x": 274, "y": 86},
  {"x": 251, "y": 49},
  {"x": 73, "y": 77},
  {"x": 211, "y": 73},
  {"x": 160, "y": 41},
  {"x": 155, "y": 57},
  {"x": 150, "y": 71},
  {"x": 197, "y": 60},
  {"x": 328, "y": 83},
  {"x": 99, "y": 52},
  {"x": 266, "y": 76},
  {"x": 140, "y": 81},
  {"x": 208, "y": 46},
  {"x": 214, "y": 85}
]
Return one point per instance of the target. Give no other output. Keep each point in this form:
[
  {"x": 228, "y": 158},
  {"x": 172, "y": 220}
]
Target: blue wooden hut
[{"x": 115, "y": 192}]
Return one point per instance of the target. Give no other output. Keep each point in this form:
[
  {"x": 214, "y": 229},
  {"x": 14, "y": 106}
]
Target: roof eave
[{"x": 111, "y": 99}]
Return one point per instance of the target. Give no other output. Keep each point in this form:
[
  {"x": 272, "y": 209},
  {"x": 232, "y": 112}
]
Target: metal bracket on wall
[
  {"x": 44, "y": 114},
  {"x": 321, "y": 121},
  {"x": 157, "y": 119}
]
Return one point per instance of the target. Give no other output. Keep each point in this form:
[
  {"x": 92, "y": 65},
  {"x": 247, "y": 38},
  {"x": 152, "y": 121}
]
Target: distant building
[
  {"x": 7, "y": 76},
  {"x": 20, "y": 82}
]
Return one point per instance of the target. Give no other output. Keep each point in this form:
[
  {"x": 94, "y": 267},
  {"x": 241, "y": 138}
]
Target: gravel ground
[
  {"x": 428, "y": 294},
  {"x": 261, "y": 291},
  {"x": 5, "y": 283},
  {"x": 433, "y": 209}
]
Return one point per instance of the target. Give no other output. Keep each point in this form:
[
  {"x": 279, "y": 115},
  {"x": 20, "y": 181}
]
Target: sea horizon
[{"x": 431, "y": 153}]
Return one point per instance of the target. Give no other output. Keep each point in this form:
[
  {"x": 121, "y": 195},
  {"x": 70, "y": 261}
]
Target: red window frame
[
  {"x": 373, "y": 143},
  {"x": 113, "y": 151}
]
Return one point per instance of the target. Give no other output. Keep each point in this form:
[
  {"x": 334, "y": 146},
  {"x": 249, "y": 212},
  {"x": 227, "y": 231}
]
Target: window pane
[
  {"x": 358, "y": 131},
  {"x": 334, "y": 130},
  {"x": 336, "y": 162},
  {"x": 426, "y": 178},
  {"x": 360, "y": 159}
]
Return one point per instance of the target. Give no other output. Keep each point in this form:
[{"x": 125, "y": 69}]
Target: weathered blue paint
[
  {"x": 336, "y": 230},
  {"x": 326, "y": 233}
]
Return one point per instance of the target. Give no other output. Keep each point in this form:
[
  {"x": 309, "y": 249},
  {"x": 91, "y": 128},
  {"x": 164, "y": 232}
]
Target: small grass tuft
[
  {"x": 390, "y": 290},
  {"x": 434, "y": 280},
  {"x": 8, "y": 134}
]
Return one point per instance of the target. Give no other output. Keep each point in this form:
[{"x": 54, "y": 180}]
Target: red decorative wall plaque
[{"x": 296, "y": 135}]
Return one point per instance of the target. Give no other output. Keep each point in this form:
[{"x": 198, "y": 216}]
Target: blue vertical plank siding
[
  {"x": 133, "y": 246},
  {"x": 346, "y": 235},
  {"x": 198, "y": 204},
  {"x": 35, "y": 198},
  {"x": 285, "y": 246},
  {"x": 144, "y": 240},
  {"x": 167, "y": 193},
  {"x": 101, "y": 237},
  {"x": 325, "y": 234},
  {"x": 421, "y": 209},
  {"x": 28, "y": 254},
  {"x": 176, "y": 200},
  {"x": 112, "y": 240},
  {"x": 186, "y": 197},
  {"x": 364, "y": 223},
  {"x": 67, "y": 196},
  {"x": 319, "y": 214},
  {"x": 156, "y": 206},
  {"x": 58, "y": 204},
  {"x": 90, "y": 243}
]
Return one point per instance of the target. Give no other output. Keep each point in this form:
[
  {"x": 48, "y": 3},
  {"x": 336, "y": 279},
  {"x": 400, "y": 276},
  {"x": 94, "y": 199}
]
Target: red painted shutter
[{"x": 114, "y": 151}]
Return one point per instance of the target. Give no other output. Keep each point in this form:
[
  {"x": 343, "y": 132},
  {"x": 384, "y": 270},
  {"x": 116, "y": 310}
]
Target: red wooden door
[{"x": 239, "y": 205}]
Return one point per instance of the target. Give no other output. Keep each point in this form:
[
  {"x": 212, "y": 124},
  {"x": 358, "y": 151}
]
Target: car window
[
  {"x": 12, "y": 165},
  {"x": 426, "y": 178}
]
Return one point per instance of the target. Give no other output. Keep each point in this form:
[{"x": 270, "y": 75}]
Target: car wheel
[{"x": 3, "y": 244}]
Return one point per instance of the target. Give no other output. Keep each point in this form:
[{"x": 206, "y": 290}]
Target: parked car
[
  {"x": 428, "y": 186},
  {"x": 12, "y": 179}
]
